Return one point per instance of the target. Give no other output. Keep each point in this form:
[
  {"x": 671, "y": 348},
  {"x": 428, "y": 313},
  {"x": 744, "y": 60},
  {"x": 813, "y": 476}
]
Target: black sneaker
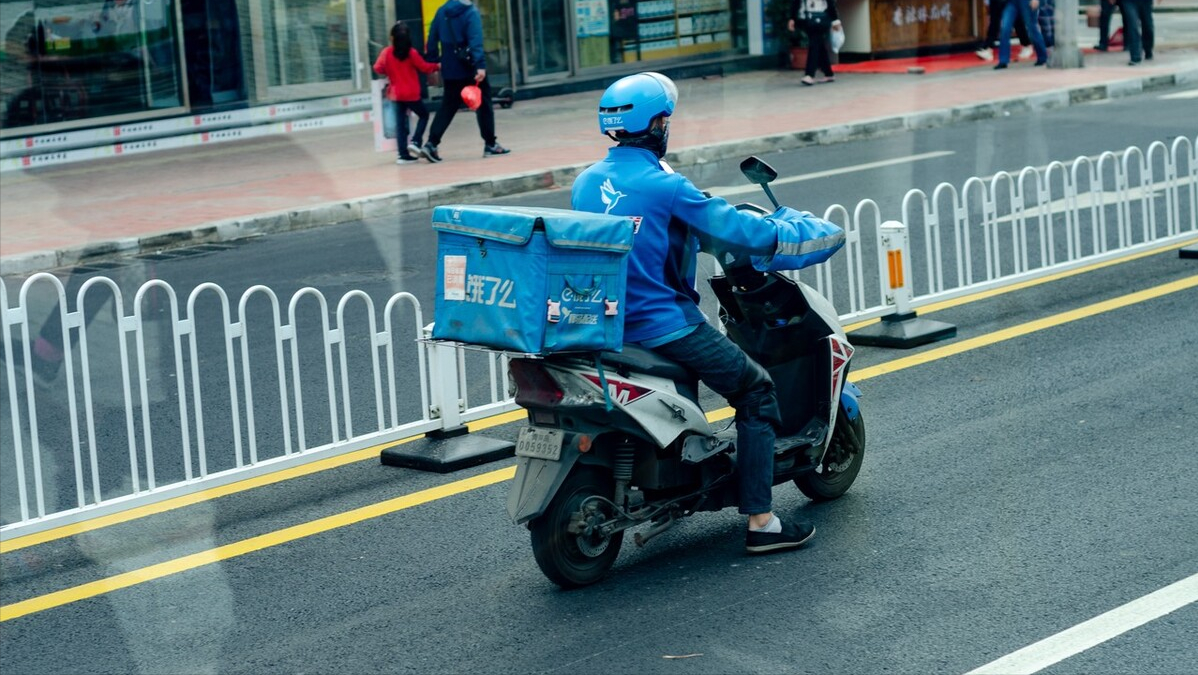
[
  {"x": 430, "y": 153},
  {"x": 494, "y": 149},
  {"x": 791, "y": 536}
]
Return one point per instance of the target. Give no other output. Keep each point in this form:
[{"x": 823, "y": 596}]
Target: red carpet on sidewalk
[{"x": 930, "y": 64}]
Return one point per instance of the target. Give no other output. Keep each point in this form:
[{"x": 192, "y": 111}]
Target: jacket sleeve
[
  {"x": 422, "y": 65},
  {"x": 380, "y": 61},
  {"x": 794, "y": 11},
  {"x": 803, "y": 240},
  {"x": 832, "y": 13},
  {"x": 432, "y": 48},
  {"x": 784, "y": 240},
  {"x": 474, "y": 38},
  {"x": 719, "y": 226}
]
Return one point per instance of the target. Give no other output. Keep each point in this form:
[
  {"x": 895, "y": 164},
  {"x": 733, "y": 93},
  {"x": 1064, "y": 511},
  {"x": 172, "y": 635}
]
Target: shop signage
[
  {"x": 906, "y": 24},
  {"x": 591, "y": 18}
]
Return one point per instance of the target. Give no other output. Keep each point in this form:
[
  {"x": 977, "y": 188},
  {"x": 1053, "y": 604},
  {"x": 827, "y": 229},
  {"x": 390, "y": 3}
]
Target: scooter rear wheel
[
  {"x": 572, "y": 560},
  {"x": 841, "y": 463}
]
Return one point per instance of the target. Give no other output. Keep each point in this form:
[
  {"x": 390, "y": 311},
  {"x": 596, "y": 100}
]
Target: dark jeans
[
  {"x": 1105, "y": 11},
  {"x": 1022, "y": 8},
  {"x": 721, "y": 365},
  {"x": 1138, "y": 33},
  {"x": 451, "y": 100},
  {"x": 996, "y": 8},
  {"x": 818, "y": 57},
  {"x": 402, "y": 108}
]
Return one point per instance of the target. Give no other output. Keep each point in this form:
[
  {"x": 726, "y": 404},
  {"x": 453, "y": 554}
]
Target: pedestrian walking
[
  {"x": 1106, "y": 9},
  {"x": 995, "y": 9},
  {"x": 1046, "y": 17},
  {"x": 400, "y": 63},
  {"x": 455, "y": 38},
  {"x": 1027, "y": 10},
  {"x": 1139, "y": 33},
  {"x": 818, "y": 19}
]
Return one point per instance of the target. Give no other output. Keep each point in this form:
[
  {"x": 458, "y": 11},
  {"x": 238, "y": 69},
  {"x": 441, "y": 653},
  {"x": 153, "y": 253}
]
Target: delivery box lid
[{"x": 514, "y": 225}]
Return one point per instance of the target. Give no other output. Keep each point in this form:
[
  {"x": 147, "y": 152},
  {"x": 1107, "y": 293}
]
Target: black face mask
[{"x": 654, "y": 140}]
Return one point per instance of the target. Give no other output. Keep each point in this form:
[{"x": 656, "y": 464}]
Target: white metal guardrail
[
  {"x": 1043, "y": 221},
  {"x": 178, "y": 419}
]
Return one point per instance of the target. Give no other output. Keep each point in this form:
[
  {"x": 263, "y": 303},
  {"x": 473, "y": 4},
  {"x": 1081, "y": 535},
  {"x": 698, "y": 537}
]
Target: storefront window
[
  {"x": 495, "y": 41},
  {"x": 546, "y": 47},
  {"x": 626, "y": 31},
  {"x": 307, "y": 41},
  {"x": 65, "y": 61}
]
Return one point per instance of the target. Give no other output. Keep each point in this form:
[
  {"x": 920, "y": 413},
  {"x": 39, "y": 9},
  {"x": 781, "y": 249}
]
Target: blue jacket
[
  {"x": 455, "y": 22},
  {"x": 674, "y": 221}
]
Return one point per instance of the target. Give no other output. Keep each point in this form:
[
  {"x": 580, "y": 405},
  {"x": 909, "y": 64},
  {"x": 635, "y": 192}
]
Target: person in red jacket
[{"x": 399, "y": 63}]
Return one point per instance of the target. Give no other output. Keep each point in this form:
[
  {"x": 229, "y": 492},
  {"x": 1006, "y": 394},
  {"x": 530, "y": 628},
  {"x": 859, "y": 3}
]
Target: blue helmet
[{"x": 631, "y": 103}]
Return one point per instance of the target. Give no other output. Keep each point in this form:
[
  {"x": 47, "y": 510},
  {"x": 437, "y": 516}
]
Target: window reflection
[
  {"x": 67, "y": 61},
  {"x": 308, "y": 41}
]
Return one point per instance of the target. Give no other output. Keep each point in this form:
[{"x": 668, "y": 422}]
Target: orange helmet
[{"x": 472, "y": 96}]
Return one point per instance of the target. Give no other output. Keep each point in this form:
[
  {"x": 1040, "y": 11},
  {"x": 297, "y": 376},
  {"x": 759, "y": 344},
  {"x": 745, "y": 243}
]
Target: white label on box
[{"x": 455, "y": 277}]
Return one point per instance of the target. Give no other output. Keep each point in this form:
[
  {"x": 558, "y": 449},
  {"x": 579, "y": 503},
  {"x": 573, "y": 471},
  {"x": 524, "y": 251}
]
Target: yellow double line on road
[{"x": 270, "y": 539}]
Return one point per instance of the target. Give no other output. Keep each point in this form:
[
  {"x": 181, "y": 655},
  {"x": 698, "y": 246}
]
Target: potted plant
[{"x": 791, "y": 44}]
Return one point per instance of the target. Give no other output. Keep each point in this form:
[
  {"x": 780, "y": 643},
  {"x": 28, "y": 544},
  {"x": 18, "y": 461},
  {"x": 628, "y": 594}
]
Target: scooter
[{"x": 619, "y": 440}]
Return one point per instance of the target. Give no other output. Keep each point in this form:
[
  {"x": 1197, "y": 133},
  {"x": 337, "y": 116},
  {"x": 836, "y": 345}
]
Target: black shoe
[
  {"x": 1133, "y": 63},
  {"x": 430, "y": 153},
  {"x": 494, "y": 149},
  {"x": 791, "y": 536},
  {"x": 1040, "y": 63},
  {"x": 1147, "y": 56},
  {"x": 1101, "y": 48},
  {"x": 1001, "y": 66}
]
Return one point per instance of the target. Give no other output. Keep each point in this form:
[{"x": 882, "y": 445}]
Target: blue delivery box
[{"x": 531, "y": 280}]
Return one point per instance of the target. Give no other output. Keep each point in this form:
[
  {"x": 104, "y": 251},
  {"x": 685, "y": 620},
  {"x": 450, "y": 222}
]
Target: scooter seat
[{"x": 635, "y": 359}]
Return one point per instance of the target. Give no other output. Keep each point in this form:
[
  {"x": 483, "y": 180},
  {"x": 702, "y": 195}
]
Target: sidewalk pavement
[{"x": 58, "y": 216}]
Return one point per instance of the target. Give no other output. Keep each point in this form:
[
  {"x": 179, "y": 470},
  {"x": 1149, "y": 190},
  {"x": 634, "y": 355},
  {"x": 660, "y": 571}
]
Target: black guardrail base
[
  {"x": 902, "y": 331},
  {"x": 1189, "y": 252},
  {"x": 445, "y": 453}
]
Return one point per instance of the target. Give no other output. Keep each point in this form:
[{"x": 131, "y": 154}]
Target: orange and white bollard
[{"x": 902, "y": 328}]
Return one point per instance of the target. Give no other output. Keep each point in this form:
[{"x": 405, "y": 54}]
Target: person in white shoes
[{"x": 995, "y": 9}]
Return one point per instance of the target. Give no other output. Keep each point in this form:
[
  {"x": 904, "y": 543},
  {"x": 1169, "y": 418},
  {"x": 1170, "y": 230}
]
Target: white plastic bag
[{"x": 836, "y": 37}]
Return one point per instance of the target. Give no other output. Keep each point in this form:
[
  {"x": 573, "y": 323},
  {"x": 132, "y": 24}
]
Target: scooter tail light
[
  {"x": 537, "y": 385},
  {"x": 534, "y": 385}
]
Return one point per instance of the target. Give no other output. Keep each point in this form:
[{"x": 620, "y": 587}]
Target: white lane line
[
  {"x": 1193, "y": 93},
  {"x": 1050, "y": 650},
  {"x": 738, "y": 189}
]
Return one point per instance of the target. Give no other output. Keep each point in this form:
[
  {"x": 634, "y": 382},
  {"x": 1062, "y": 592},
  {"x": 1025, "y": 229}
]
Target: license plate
[{"x": 540, "y": 443}]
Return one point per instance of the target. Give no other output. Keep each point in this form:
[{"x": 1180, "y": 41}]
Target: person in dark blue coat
[
  {"x": 674, "y": 221},
  {"x": 455, "y": 39}
]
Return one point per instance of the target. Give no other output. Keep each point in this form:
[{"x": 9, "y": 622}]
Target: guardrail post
[
  {"x": 902, "y": 329},
  {"x": 451, "y": 447}
]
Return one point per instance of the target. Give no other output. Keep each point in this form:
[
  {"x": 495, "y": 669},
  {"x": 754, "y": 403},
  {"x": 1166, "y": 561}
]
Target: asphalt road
[{"x": 1011, "y": 491}]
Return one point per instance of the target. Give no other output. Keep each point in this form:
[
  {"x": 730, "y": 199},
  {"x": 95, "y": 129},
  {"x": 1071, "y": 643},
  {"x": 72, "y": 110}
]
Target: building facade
[{"x": 69, "y": 64}]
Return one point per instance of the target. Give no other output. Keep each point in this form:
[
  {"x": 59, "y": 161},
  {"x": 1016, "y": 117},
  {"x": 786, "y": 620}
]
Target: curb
[{"x": 333, "y": 213}]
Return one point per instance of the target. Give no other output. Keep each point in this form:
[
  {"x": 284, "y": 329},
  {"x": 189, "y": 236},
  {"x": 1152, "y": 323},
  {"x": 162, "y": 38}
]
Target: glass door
[
  {"x": 544, "y": 39},
  {"x": 310, "y": 47}
]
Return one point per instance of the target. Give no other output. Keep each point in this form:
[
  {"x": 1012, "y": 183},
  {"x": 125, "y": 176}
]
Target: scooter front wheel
[
  {"x": 577, "y": 558},
  {"x": 842, "y": 461}
]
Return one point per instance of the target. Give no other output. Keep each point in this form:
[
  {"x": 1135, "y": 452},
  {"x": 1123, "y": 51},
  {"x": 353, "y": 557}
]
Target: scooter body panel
[{"x": 536, "y": 481}]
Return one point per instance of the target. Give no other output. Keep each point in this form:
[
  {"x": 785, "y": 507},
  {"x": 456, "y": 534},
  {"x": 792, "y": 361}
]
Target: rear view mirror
[{"x": 757, "y": 171}]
